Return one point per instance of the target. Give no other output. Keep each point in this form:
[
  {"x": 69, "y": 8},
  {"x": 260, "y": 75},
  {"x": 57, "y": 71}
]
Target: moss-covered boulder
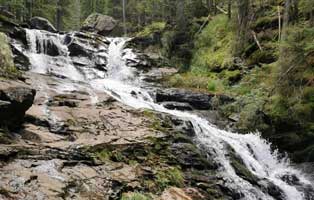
[
  {"x": 98, "y": 23},
  {"x": 7, "y": 68}
]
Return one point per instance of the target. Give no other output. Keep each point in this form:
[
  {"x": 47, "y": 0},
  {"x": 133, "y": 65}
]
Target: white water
[{"x": 121, "y": 80}]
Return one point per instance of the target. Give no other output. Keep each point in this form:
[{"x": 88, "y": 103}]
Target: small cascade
[
  {"x": 48, "y": 55},
  {"x": 255, "y": 152},
  {"x": 123, "y": 83}
]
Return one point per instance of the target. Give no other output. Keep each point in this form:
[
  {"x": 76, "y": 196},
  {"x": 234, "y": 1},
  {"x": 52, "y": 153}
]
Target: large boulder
[
  {"x": 98, "y": 23},
  {"x": 15, "y": 99},
  {"x": 196, "y": 100},
  {"x": 200, "y": 101},
  {"x": 42, "y": 24}
]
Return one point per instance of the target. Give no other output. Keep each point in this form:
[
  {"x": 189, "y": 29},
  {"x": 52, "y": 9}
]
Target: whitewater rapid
[{"x": 120, "y": 81}]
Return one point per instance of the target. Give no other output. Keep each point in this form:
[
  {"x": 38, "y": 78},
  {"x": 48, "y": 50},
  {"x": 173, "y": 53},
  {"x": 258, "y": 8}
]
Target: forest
[{"x": 157, "y": 99}]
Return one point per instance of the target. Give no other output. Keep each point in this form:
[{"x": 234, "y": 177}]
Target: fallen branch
[
  {"x": 222, "y": 10},
  {"x": 256, "y": 40},
  {"x": 204, "y": 24}
]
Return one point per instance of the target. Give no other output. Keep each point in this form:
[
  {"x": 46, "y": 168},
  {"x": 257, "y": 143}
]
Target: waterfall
[{"x": 120, "y": 81}]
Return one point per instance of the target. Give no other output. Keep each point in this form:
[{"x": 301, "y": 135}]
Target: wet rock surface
[
  {"x": 103, "y": 151},
  {"x": 200, "y": 101},
  {"x": 41, "y": 24}
]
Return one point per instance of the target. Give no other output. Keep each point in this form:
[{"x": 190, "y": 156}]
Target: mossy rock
[
  {"x": 240, "y": 168},
  {"x": 262, "y": 57},
  {"x": 231, "y": 76},
  {"x": 265, "y": 23},
  {"x": 135, "y": 196},
  {"x": 7, "y": 68},
  {"x": 168, "y": 177},
  {"x": 155, "y": 27}
]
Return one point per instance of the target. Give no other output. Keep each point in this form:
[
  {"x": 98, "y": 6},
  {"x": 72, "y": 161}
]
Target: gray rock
[
  {"x": 98, "y": 23},
  {"x": 42, "y": 24},
  {"x": 196, "y": 100},
  {"x": 15, "y": 99},
  {"x": 177, "y": 105},
  {"x": 199, "y": 101}
]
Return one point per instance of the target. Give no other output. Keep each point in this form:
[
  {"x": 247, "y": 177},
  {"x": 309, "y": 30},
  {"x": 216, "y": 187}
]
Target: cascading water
[{"x": 123, "y": 84}]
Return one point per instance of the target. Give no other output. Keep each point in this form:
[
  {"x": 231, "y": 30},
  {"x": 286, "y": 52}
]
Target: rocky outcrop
[
  {"x": 15, "y": 99},
  {"x": 6, "y": 57},
  {"x": 199, "y": 101},
  {"x": 42, "y": 24},
  {"x": 88, "y": 50},
  {"x": 100, "y": 24}
]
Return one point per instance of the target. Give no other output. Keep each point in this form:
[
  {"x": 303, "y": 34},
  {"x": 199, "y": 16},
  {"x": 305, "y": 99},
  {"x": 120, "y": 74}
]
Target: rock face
[
  {"x": 197, "y": 100},
  {"x": 42, "y": 24},
  {"x": 98, "y": 23},
  {"x": 88, "y": 50},
  {"x": 15, "y": 99},
  {"x": 6, "y": 57},
  {"x": 200, "y": 101}
]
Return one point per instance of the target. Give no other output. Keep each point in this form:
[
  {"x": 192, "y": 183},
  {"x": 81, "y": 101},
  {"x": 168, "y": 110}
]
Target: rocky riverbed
[
  {"x": 101, "y": 127},
  {"x": 71, "y": 148}
]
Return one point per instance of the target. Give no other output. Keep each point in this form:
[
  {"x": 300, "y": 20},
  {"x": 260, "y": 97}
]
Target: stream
[{"x": 126, "y": 84}]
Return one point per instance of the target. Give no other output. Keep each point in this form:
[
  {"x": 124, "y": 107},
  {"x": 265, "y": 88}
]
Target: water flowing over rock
[
  {"x": 100, "y": 24},
  {"x": 42, "y": 24},
  {"x": 99, "y": 133}
]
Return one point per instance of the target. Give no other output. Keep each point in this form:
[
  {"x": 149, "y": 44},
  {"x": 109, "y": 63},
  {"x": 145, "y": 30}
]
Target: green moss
[
  {"x": 241, "y": 169},
  {"x": 169, "y": 177},
  {"x": 106, "y": 155},
  {"x": 7, "y": 68},
  {"x": 260, "y": 57},
  {"x": 265, "y": 21},
  {"x": 231, "y": 76},
  {"x": 103, "y": 155},
  {"x": 135, "y": 196},
  {"x": 214, "y": 46},
  {"x": 152, "y": 28}
]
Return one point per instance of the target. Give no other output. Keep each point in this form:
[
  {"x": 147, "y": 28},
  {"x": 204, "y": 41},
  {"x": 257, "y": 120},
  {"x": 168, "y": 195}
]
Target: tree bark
[
  {"x": 296, "y": 10},
  {"x": 243, "y": 23},
  {"x": 286, "y": 18},
  {"x": 312, "y": 18},
  {"x": 59, "y": 15},
  {"x": 229, "y": 8},
  {"x": 124, "y": 17}
]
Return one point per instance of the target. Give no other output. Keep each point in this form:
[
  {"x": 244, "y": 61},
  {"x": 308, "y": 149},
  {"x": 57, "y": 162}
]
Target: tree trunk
[
  {"x": 296, "y": 10},
  {"x": 59, "y": 15},
  {"x": 229, "y": 9},
  {"x": 124, "y": 17},
  {"x": 312, "y": 18},
  {"x": 243, "y": 23},
  {"x": 286, "y": 17}
]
